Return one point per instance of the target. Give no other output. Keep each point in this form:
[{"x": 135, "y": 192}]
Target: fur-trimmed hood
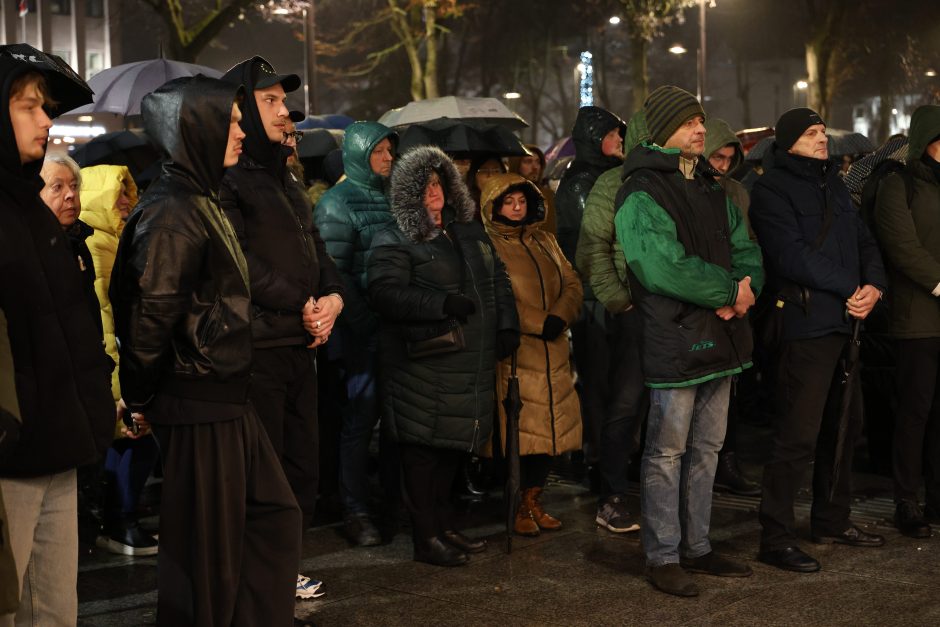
[{"x": 409, "y": 179}]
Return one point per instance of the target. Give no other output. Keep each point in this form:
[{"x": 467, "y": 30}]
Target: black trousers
[
  {"x": 229, "y": 527},
  {"x": 917, "y": 420},
  {"x": 284, "y": 393},
  {"x": 533, "y": 470},
  {"x": 612, "y": 392},
  {"x": 805, "y": 429},
  {"x": 427, "y": 474}
]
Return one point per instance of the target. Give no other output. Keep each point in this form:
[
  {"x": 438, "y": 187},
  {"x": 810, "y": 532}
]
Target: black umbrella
[
  {"x": 67, "y": 88},
  {"x": 757, "y": 153},
  {"x": 849, "y": 144},
  {"x": 462, "y": 136},
  {"x": 513, "y": 405},
  {"x": 849, "y": 364},
  {"x": 127, "y": 148},
  {"x": 319, "y": 142}
]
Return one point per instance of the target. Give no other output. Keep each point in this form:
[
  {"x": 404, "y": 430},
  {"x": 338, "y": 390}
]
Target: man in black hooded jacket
[
  {"x": 229, "y": 524},
  {"x": 293, "y": 280},
  {"x": 61, "y": 371}
]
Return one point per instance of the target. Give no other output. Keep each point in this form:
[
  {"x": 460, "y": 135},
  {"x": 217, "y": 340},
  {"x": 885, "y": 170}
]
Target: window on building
[
  {"x": 94, "y": 8},
  {"x": 94, "y": 63},
  {"x": 60, "y": 7}
]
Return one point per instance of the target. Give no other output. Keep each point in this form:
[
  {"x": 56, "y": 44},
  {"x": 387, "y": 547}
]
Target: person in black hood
[
  {"x": 598, "y": 139},
  {"x": 60, "y": 369},
  {"x": 295, "y": 288},
  {"x": 229, "y": 523}
]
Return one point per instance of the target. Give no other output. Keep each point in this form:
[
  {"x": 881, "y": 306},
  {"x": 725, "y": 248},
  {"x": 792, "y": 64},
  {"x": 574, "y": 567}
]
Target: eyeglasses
[{"x": 297, "y": 135}]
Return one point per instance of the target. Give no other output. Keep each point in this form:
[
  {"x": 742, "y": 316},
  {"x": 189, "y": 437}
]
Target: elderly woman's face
[
  {"x": 61, "y": 192},
  {"x": 434, "y": 198}
]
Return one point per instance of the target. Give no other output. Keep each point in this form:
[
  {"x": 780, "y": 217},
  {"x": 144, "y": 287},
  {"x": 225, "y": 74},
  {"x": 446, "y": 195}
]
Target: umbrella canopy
[
  {"x": 327, "y": 120},
  {"x": 757, "y": 153},
  {"x": 121, "y": 88},
  {"x": 472, "y": 137},
  {"x": 67, "y": 88},
  {"x": 845, "y": 143},
  {"x": 488, "y": 110},
  {"x": 319, "y": 141},
  {"x": 127, "y": 148},
  {"x": 564, "y": 147}
]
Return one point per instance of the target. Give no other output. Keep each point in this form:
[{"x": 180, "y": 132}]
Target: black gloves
[
  {"x": 552, "y": 327},
  {"x": 458, "y": 306},
  {"x": 507, "y": 340}
]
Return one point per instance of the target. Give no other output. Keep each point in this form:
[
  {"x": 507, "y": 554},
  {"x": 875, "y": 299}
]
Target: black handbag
[{"x": 446, "y": 338}]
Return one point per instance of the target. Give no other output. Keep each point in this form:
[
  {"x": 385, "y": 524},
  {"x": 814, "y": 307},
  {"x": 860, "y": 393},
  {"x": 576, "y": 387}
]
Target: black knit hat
[
  {"x": 794, "y": 123},
  {"x": 666, "y": 109}
]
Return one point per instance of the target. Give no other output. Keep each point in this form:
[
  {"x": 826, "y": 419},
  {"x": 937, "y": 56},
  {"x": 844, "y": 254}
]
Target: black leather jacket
[{"x": 179, "y": 288}]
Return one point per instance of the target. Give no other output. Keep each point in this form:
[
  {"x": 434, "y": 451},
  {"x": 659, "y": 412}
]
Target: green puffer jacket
[
  {"x": 686, "y": 247},
  {"x": 445, "y": 400},
  {"x": 600, "y": 258},
  {"x": 350, "y": 214},
  {"x": 910, "y": 234}
]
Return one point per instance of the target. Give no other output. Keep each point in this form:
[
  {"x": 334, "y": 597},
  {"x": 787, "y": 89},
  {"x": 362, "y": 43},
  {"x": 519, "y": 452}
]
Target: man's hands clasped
[{"x": 319, "y": 316}]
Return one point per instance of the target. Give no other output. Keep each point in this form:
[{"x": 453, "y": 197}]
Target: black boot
[
  {"x": 463, "y": 543},
  {"x": 728, "y": 477},
  {"x": 434, "y": 551}
]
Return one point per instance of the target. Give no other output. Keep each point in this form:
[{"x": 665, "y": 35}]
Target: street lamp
[
  {"x": 677, "y": 49},
  {"x": 512, "y": 95},
  {"x": 799, "y": 87},
  {"x": 614, "y": 21},
  {"x": 930, "y": 73}
]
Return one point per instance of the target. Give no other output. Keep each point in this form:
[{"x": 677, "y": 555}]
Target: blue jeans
[
  {"x": 685, "y": 430},
  {"x": 360, "y": 415}
]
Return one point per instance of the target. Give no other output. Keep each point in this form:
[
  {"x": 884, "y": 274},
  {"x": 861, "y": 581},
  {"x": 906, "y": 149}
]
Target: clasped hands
[
  {"x": 742, "y": 303},
  {"x": 319, "y": 316}
]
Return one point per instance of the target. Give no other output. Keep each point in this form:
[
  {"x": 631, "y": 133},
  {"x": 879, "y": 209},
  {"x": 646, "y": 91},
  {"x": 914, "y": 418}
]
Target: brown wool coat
[{"x": 543, "y": 283}]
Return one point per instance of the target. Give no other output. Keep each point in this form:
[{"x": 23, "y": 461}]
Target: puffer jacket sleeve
[
  {"x": 103, "y": 248},
  {"x": 598, "y": 248},
  {"x": 162, "y": 268},
  {"x": 388, "y": 268},
  {"x": 899, "y": 238},
  {"x": 745, "y": 253},
  {"x": 269, "y": 288},
  {"x": 339, "y": 236},
  {"x": 568, "y": 305}
]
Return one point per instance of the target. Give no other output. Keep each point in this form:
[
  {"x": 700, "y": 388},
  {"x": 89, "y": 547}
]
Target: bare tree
[
  {"x": 645, "y": 20},
  {"x": 826, "y": 66},
  {"x": 191, "y": 25}
]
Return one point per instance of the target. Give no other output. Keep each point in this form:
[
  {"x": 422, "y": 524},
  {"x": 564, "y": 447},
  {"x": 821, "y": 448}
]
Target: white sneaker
[{"x": 308, "y": 588}]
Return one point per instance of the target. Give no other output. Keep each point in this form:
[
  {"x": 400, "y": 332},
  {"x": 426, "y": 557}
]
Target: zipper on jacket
[
  {"x": 476, "y": 432},
  {"x": 548, "y": 361}
]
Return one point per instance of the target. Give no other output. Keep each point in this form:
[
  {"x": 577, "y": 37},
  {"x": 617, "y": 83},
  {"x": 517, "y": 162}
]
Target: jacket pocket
[{"x": 210, "y": 327}]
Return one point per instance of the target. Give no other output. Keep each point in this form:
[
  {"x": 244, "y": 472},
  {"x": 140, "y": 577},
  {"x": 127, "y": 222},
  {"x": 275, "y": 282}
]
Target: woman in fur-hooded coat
[{"x": 435, "y": 266}]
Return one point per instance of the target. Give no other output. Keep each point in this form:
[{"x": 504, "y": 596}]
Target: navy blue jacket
[{"x": 788, "y": 206}]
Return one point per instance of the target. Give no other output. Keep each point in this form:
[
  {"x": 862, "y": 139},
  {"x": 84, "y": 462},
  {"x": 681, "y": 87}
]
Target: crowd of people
[{"x": 180, "y": 327}]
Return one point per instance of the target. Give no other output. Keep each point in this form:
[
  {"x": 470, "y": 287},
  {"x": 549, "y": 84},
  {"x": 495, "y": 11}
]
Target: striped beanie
[{"x": 667, "y": 108}]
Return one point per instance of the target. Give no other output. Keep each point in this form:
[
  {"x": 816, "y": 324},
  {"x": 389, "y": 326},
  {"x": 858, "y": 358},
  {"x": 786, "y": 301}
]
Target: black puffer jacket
[
  {"x": 590, "y": 127},
  {"x": 179, "y": 287},
  {"x": 444, "y": 401},
  {"x": 273, "y": 219},
  {"x": 62, "y": 374}
]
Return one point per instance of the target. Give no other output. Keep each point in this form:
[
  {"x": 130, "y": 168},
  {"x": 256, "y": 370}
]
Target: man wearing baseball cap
[
  {"x": 296, "y": 292},
  {"x": 826, "y": 272},
  {"x": 693, "y": 274}
]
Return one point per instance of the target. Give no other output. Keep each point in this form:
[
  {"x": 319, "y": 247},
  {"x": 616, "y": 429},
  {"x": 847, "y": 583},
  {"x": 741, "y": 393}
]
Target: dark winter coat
[
  {"x": 443, "y": 401},
  {"x": 686, "y": 247},
  {"x": 350, "y": 214},
  {"x": 590, "y": 127},
  {"x": 910, "y": 234},
  {"x": 182, "y": 308},
  {"x": 78, "y": 233},
  {"x": 788, "y": 207},
  {"x": 62, "y": 373},
  {"x": 9, "y": 431},
  {"x": 543, "y": 283},
  {"x": 273, "y": 219}
]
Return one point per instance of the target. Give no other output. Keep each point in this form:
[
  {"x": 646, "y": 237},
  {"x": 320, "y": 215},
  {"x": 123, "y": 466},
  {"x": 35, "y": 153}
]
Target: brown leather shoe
[
  {"x": 530, "y": 501},
  {"x": 525, "y": 525}
]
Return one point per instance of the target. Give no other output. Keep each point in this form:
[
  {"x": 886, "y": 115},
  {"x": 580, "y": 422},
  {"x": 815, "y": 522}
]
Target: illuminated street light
[
  {"x": 614, "y": 20},
  {"x": 512, "y": 95},
  {"x": 801, "y": 84},
  {"x": 281, "y": 11},
  {"x": 677, "y": 49},
  {"x": 930, "y": 73}
]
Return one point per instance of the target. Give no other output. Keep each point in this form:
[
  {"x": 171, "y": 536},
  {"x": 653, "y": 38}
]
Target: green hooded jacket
[
  {"x": 910, "y": 234},
  {"x": 350, "y": 214},
  {"x": 599, "y": 257}
]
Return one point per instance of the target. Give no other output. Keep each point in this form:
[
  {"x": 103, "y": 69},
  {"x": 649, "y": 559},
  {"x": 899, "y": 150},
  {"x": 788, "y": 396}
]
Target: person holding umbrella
[
  {"x": 448, "y": 315},
  {"x": 548, "y": 297},
  {"x": 826, "y": 272}
]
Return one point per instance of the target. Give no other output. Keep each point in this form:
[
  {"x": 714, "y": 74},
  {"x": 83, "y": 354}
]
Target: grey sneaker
[{"x": 613, "y": 516}]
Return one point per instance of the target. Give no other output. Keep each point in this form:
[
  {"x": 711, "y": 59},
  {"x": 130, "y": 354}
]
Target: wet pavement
[{"x": 580, "y": 575}]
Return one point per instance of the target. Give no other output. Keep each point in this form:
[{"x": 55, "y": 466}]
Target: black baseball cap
[
  {"x": 296, "y": 116},
  {"x": 265, "y": 76}
]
